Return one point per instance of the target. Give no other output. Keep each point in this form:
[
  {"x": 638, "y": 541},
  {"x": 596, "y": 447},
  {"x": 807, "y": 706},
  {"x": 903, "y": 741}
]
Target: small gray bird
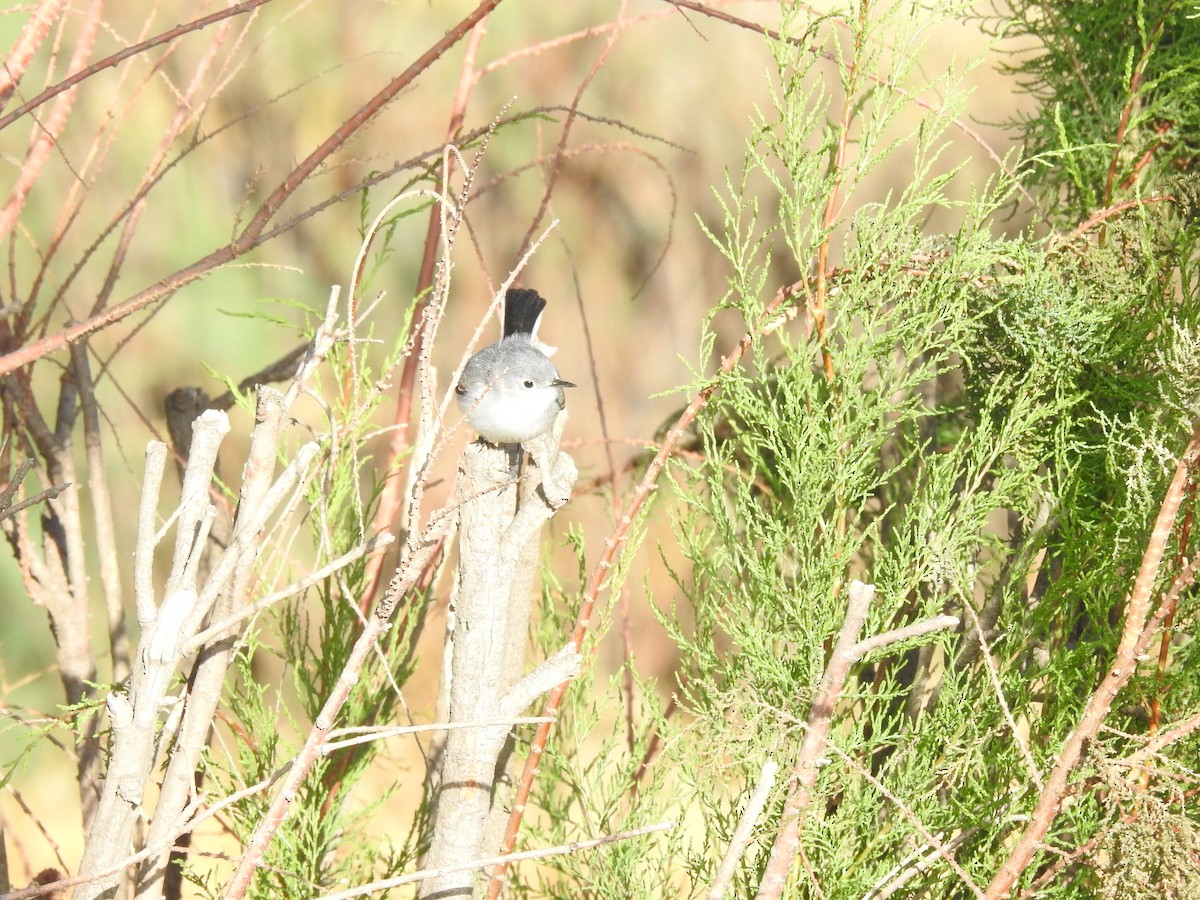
[{"x": 510, "y": 391}]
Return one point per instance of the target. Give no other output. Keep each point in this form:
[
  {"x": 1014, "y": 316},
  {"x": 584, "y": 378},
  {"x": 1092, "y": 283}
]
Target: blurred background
[{"x": 667, "y": 98}]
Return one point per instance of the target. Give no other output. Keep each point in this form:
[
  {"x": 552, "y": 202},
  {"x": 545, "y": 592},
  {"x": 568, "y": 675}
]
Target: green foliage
[
  {"x": 999, "y": 427},
  {"x": 1116, "y": 84},
  {"x": 587, "y": 791}
]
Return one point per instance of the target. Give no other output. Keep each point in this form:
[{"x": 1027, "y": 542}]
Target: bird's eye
[
  {"x": 459, "y": 389},
  {"x": 528, "y": 382}
]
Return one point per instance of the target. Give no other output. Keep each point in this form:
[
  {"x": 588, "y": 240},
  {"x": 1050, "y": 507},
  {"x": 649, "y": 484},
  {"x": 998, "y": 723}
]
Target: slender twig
[
  {"x": 46, "y": 832},
  {"x": 899, "y": 877},
  {"x": 836, "y": 174},
  {"x": 1135, "y": 85},
  {"x": 14, "y": 483},
  {"x": 744, "y": 831},
  {"x": 390, "y": 499},
  {"x": 808, "y": 759},
  {"x": 222, "y": 628},
  {"x": 33, "y": 35},
  {"x": 989, "y": 665},
  {"x": 187, "y": 110},
  {"x": 379, "y": 734},
  {"x": 49, "y": 493},
  {"x": 1165, "y": 640},
  {"x": 189, "y": 822},
  {"x": 941, "y": 848},
  {"x": 1102, "y": 215},
  {"x": 903, "y": 633},
  {"x": 556, "y": 165},
  {"x": 103, "y": 529},
  {"x": 117, "y": 58},
  {"x": 255, "y": 232},
  {"x": 377, "y": 625},
  {"x": 46, "y": 134},
  {"x": 433, "y": 243},
  {"x": 1055, "y": 869},
  {"x": 1162, "y": 740}
]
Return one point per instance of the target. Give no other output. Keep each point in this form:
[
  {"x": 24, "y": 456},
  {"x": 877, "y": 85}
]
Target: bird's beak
[{"x": 558, "y": 382}]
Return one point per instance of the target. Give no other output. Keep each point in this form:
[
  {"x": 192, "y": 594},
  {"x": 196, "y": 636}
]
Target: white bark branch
[{"x": 488, "y": 639}]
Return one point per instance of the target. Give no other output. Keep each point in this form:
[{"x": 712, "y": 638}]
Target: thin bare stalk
[
  {"x": 406, "y": 576},
  {"x": 390, "y": 501},
  {"x": 116, "y": 59},
  {"x": 49, "y": 493},
  {"x": 224, "y": 627},
  {"x": 744, "y": 831},
  {"x": 940, "y": 848},
  {"x": 33, "y": 35},
  {"x": 186, "y": 111},
  {"x": 989, "y": 665},
  {"x": 195, "y": 817},
  {"x": 255, "y": 232},
  {"x": 820, "y": 718},
  {"x": 49, "y": 127},
  {"x": 379, "y": 734},
  {"x": 103, "y": 530}
]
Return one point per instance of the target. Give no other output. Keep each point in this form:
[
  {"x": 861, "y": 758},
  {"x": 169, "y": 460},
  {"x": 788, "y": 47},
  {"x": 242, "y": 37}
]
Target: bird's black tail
[{"x": 522, "y": 309}]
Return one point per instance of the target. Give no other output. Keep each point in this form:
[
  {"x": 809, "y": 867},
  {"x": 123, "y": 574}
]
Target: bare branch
[
  {"x": 103, "y": 529},
  {"x": 225, "y": 626},
  {"x": 940, "y": 848},
  {"x": 904, "y": 633},
  {"x": 143, "y": 554},
  {"x": 49, "y": 493},
  {"x": 255, "y": 231},
  {"x": 49, "y": 128},
  {"x": 379, "y": 734},
  {"x": 744, "y": 831},
  {"x": 820, "y": 718},
  {"x": 117, "y": 58}
]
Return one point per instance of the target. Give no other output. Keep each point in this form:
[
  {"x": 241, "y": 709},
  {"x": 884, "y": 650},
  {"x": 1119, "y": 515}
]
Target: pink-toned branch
[
  {"x": 185, "y": 112},
  {"x": 49, "y": 128},
  {"x": 390, "y": 499},
  {"x": 255, "y": 231},
  {"x": 33, "y": 35},
  {"x": 116, "y": 59}
]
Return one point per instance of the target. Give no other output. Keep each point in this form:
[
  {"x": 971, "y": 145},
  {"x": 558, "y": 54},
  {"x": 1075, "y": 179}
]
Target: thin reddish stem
[
  {"x": 49, "y": 128},
  {"x": 117, "y": 58},
  {"x": 1135, "y": 83}
]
